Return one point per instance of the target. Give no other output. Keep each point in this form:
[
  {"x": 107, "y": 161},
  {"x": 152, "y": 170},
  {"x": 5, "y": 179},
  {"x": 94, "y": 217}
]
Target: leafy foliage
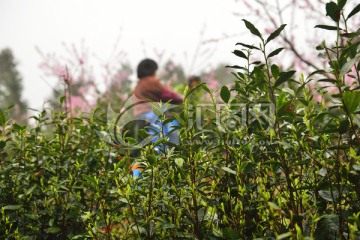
[
  {"x": 10, "y": 85},
  {"x": 269, "y": 162}
]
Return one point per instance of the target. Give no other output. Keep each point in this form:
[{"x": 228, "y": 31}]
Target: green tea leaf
[
  {"x": 354, "y": 11},
  {"x": 333, "y": 81},
  {"x": 356, "y": 167},
  {"x": 12, "y": 207},
  {"x": 323, "y": 172},
  {"x": 341, "y": 3},
  {"x": 80, "y": 236},
  {"x": 179, "y": 162},
  {"x": 288, "y": 90},
  {"x": 192, "y": 90},
  {"x": 327, "y": 27},
  {"x": 343, "y": 126},
  {"x": 284, "y": 235},
  {"x": 274, "y": 206},
  {"x": 240, "y": 54},
  {"x": 18, "y": 128},
  {"x": 316, "y": 72},
  {"x": 2, "y": 118},
  {"x": 350, "y": 34},
  {"x": 350, "y": 64},
  {"x": 351, "y": 100},
  {"x": 226, "y": 169},
  {"x": 53, "y": 230},
  {"x": 275, "y": 52},
  {"x": 275, "y": 70},
  {"x": 283, "y": 77},
  {"x": 333, "y": 11},
  {"x": 236, "y": 67},
  {"x": 89, "y": 180},
  {"x": 30, "y": 190},
  {"x": 248, "y": 46},
  {"x": 252, "y": 28},
  {"x": 276, "y": 33},
  {"x": 350, "y": 50},
  {"x": 326, "y": 195},
  {"x": 225, "y": 94},
  {"x": 152, "y": 159},
  {"x": 167, "y": 226},
  {"x": 229, "y": 233},
  {"x": 62, "y": 100}
]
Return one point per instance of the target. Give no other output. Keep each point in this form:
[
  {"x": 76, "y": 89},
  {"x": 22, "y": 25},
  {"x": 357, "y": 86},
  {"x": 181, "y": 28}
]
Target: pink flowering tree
[
  {"x": 298, "y": 43},
  {"x": 83, "y": 85},
  {"x": 74, "y": 76},
  {"x": 298, "y": 15}
]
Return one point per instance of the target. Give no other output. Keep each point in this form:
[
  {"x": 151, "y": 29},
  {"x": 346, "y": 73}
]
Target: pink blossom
[
  {"x": 77, "y": 104},
  {"x": 123, "y": 75},
  {"x": 268, "y": 30},
  {"x": 319, "y": 98},
  {"x": 59, "y": 71},
  {"x": 213, "y": 84}
]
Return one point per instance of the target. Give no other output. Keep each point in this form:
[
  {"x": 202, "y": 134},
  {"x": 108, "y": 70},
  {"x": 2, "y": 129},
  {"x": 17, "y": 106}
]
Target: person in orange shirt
[{"x": 149, "y": 89}]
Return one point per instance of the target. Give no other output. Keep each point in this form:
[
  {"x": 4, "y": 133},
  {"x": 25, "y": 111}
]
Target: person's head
[
  {"x": 147, "y": 68},
  {"x": 194, "y": 81}
]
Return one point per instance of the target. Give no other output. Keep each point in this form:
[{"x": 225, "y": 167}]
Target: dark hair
[
  {"x": 194, "y": 80},
  {"x": 146, "y": 67}
]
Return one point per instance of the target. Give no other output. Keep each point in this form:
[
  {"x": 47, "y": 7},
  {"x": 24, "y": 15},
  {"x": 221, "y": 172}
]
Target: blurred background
[{"x": 94, "y": 46}]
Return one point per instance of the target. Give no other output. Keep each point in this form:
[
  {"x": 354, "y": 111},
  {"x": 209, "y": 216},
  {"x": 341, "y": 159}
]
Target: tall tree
[{"x": 11, "y": 85}]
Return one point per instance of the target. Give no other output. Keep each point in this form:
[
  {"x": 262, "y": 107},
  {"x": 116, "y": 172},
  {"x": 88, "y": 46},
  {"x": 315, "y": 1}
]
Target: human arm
[{"x": 169, "y": 95}]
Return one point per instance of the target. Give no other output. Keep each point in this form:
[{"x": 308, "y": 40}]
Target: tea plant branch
[
  {"x": 150, "y": 200},
  {"x": 339, "y": 83},
  {"x": 271, "y": 88},
  {"x": 107, "y": 223},
  {"x": 193, "y": 189},
  {"x": 338, "y": 207},
  {"x": 134, "y": 215},
  {"x": 192, "y": 183},
  {"x": 284, "y": 37},
  {"x": 357, "y": 72}
]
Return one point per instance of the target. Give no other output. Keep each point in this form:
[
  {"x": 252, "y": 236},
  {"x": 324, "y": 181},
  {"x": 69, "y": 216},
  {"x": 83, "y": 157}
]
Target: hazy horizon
[{"x": 140, "y": 28}]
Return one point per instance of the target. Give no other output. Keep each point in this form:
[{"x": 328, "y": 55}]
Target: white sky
[
  {"x": 172, "y": 26},
  {"x": 144, "y": 25}
]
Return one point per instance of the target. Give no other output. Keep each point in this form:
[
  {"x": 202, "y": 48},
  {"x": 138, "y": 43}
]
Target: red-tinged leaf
[
  {"x": 40, "y": 172},
  {"x": 333, "y": 11}
]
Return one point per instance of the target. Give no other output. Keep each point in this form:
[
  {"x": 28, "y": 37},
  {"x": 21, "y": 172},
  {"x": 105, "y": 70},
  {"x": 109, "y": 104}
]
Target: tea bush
[{"x": 268, "y": 162}]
